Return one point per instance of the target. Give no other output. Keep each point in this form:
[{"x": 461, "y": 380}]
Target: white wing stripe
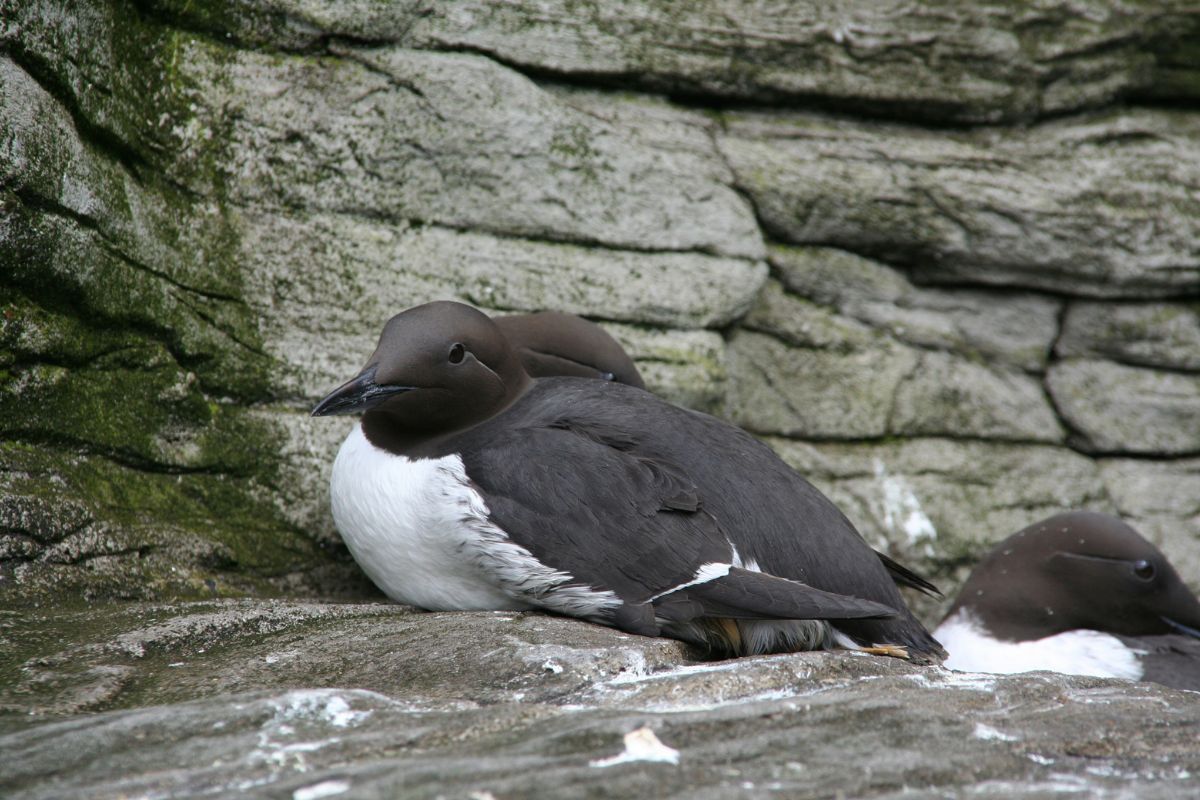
[{"x": 707, "y": 572}]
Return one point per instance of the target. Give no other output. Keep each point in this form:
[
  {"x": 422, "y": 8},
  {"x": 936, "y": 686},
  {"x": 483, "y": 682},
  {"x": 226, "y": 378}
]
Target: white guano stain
[
  {"x": 902, "y": 510},
  {"x": 276, "y": 746},
  {"x": 988, "y": 733},
  {"x": 951, "y": 679},
  {"x": 641, "y": 745},
  {"x": 323, "y": 789}
]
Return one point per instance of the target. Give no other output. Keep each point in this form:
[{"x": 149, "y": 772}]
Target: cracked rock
[
  {"x": 939, "y": 61},
  {"x": 1118, "y": 409},
  {"x": 1103, "y": 206},
  {"x": 482, "y": 148},
  {"x": 1141, "y": 334},
  {"x": 1012, "y": 328}
]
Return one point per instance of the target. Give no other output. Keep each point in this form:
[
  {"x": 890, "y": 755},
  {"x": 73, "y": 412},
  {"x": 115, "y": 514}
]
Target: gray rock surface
[
  {"x": 937, "y": 503},
  {"x": 482, "y": 148},
  {"x": 813, "y": 393},
  {"x": 1014, "y": 329},
  {"x": 1101, "y": 206},
  {"x": 937, "y": 61},
  {"x": 289, "y": 699},
  {"x": 1143, "y": 334},
  {"x": 824, "y": 375},
  {"x": 1108, "y": 404},
  {"x": 942, "y": 256}
]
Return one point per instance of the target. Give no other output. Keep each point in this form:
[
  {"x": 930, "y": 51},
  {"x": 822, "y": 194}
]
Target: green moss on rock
[
  {"x": 95, "y": 528},
  {"x": 129, "y": 359}
]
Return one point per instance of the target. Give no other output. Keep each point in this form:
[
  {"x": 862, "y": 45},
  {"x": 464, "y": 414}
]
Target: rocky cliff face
[{"x": 943, "y": 257}]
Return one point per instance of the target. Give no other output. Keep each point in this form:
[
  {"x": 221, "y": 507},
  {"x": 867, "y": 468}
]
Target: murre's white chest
[
  {"x": 1077, "y": 652},
  {"x": 413, "y": 525}
]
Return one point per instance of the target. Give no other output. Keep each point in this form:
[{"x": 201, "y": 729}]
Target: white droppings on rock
[
  {"x": 322, "y": 789},
  {"x": 1108, "y": 770},
  {"x": 950, "y": 679},
  {"x": 303, "y": 708},
  {"x": 902, "y": 510},
  {"x": 988, "y": 733},
  {"x": 636, "y": 675},
  {"x": 641, "y": 745},
  {"x": 1059, "y": 784},
  {"x": 319, "y": 705}
]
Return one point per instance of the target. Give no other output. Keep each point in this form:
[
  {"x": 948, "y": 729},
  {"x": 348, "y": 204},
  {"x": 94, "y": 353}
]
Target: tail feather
[{"x": 903, "y": 576}]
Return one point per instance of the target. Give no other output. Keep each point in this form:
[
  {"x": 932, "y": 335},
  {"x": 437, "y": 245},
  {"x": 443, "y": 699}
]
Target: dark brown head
[
  {"x": 438, "y": 368},
  {"x": 550, "y": 343},
  {"x": 1078, "y": 570}
]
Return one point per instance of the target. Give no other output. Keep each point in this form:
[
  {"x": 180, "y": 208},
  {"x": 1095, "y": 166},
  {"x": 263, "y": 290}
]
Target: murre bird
[
  {"x": 1081, "y": 593},
  {"x": 469, "y": 485},
  {"x": 552, "y": 343}
]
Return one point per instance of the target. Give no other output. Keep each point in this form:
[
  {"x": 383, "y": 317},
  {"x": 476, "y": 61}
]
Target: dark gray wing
[
  {"x": 1172, "y": 659},
  {"x": 744, "y": 594},
  {"x": 585, "y": 503}
]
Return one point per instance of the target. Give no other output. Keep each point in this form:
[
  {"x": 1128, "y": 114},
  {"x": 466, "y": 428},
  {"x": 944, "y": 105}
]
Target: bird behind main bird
[{"x": 1081, "y": 593}]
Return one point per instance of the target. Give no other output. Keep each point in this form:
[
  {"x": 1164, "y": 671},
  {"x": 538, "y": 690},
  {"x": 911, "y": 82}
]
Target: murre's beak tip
[
  {"x": 330, "y": 403},
  {"x": 1180, "y": 628},
  {"x": 360, "y": 393}
]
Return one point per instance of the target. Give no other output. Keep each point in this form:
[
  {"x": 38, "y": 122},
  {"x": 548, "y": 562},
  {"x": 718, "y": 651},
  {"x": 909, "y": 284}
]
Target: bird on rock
[
  {"x": 470, "y": 485},
  {"x": 1081, "y": 593},
  {"x": 551, "y": 343}
]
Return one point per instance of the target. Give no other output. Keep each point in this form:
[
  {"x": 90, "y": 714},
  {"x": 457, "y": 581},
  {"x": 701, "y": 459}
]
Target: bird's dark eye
[
  {"x": 457, "y": 352},
  {"x": 1143, "y": 569}
]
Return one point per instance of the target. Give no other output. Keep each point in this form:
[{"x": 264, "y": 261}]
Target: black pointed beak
[
  {"x": 1179, "y": 627},
  {"x": 360, "y": 393},
  {"x": 1179, "y": 608}
]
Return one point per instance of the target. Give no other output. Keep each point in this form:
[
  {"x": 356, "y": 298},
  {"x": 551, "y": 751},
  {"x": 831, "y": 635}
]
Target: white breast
[
  {"x": 1079, "y": 652},
  {"x": 406, "y": 524},
  {"x": 423, "y": 535}
]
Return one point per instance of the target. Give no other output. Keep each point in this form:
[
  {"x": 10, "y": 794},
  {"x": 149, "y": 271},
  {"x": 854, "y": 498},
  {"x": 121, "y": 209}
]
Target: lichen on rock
[{"x": 941, "y": 257}]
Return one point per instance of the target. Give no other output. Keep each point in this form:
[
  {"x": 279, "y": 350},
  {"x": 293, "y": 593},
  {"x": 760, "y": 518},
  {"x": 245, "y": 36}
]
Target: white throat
[{"x": 1079, "y": 652}]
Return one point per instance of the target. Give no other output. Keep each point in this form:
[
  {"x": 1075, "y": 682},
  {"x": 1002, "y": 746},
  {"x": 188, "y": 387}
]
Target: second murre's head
[
  {"x": 1079, "y": 570},
  {"x": 438, "y": 368},
  {"x": 551, "y": 343}
]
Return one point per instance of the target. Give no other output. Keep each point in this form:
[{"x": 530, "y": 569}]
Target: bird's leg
[{"x": 891, "y": 650}]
